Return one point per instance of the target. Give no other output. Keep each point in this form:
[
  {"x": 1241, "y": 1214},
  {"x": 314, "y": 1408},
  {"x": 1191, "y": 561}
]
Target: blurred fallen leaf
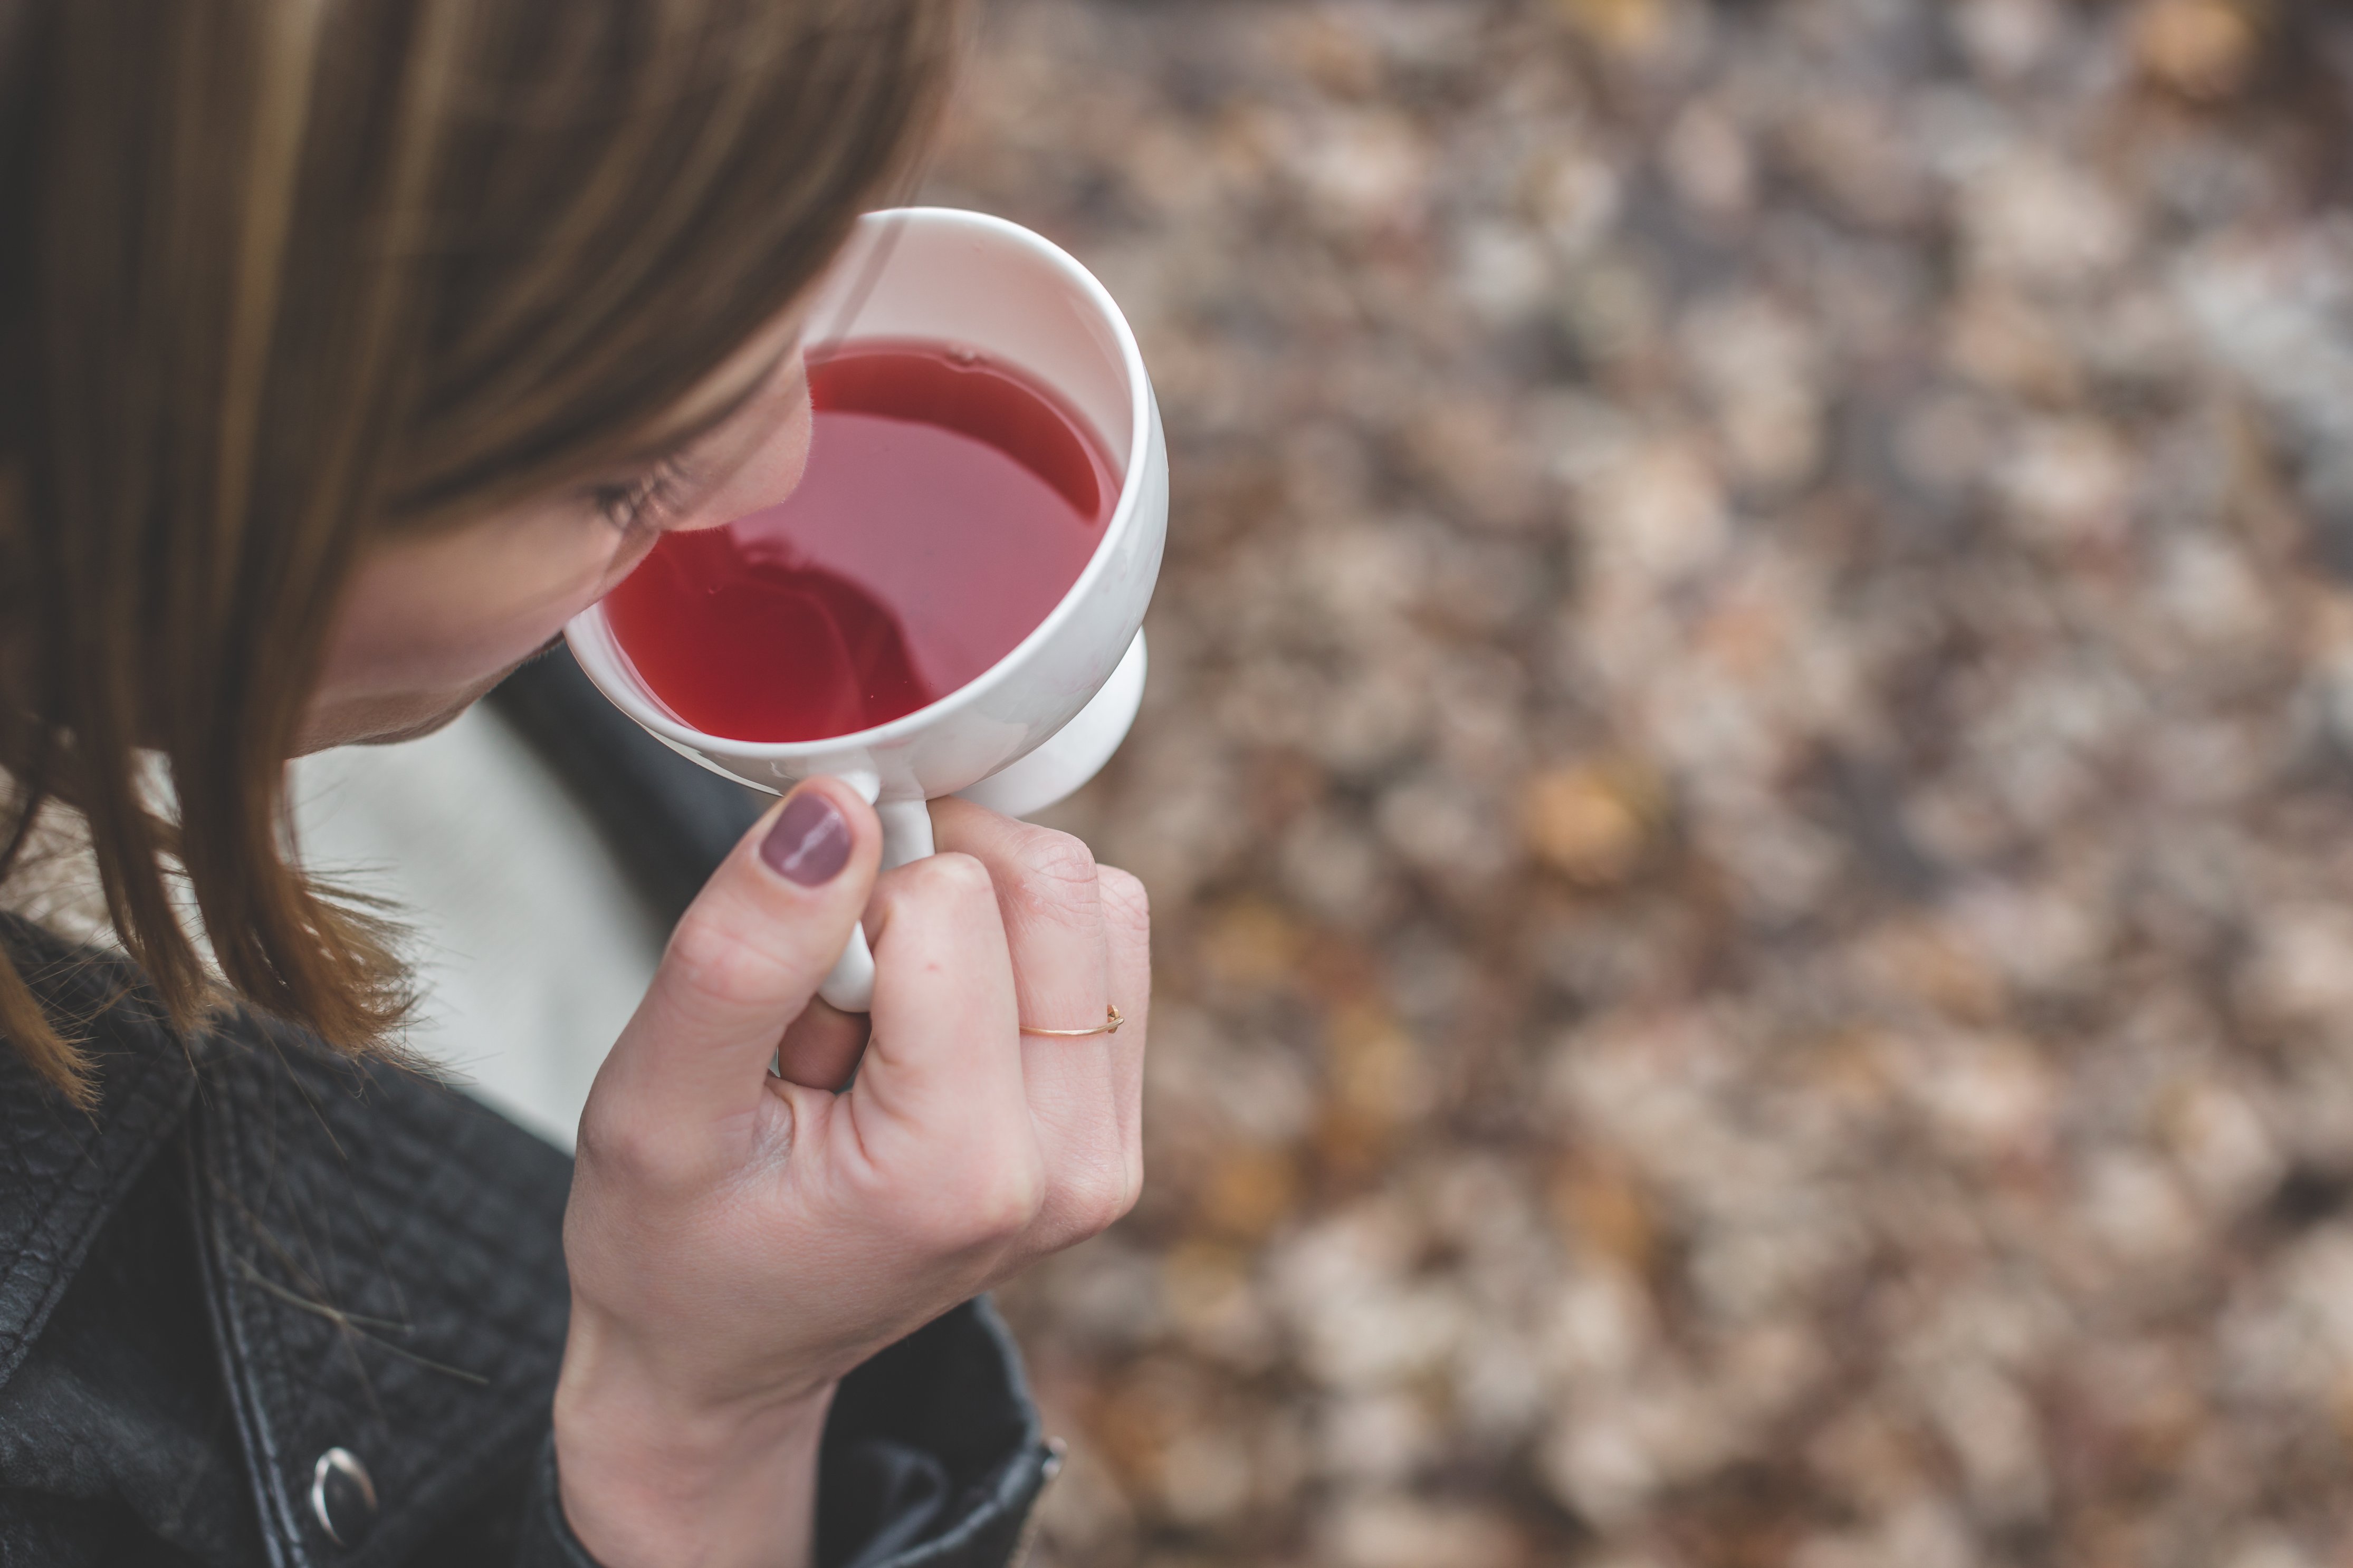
[
  {"x": 1374, "y": 1065},
  {"x": 2200, "y": 49},
  {"x": 1589, "y": 822},
  {"x": 1604, "y": 1213},
  {"x": 1250, "y": 944},
  {"x": 1251, "y": 1189},
  {"x": 1920, "y": 960},
  {"x": 1623, "y": 26},
  {"x": 1377, "y": 1087}
]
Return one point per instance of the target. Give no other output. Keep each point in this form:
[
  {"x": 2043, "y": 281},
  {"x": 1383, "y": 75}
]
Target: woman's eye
[{"x": 648, "y": 500}]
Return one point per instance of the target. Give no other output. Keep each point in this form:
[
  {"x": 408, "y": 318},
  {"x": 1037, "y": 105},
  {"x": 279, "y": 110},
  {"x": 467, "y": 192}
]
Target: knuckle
[
  {"x": 1057, "y": 879},
  {"x": 1131, "y": 1189},
  {"x": 1006, "y": 1205},
  {"x": 1102, "y": 1203},
  {"x": 714, "y": 961},
  {"x": 952, "y": 877},
  {"x": 1060, "y": 864},
  {"x": 980, "y": 1211},
  {"x": 1128, "y": 906},
  {"x": 629, "y": 1153}
]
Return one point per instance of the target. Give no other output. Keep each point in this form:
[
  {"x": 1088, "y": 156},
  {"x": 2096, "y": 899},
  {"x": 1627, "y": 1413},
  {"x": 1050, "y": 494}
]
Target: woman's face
[{"x": 430, "y": 623}]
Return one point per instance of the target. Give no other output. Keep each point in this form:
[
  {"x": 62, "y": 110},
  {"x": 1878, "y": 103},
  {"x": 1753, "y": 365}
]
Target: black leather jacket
[{"x": 269, "y": 1307}]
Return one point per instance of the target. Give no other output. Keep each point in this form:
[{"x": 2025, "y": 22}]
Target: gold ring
[{"x": 1110, "y": 1026}]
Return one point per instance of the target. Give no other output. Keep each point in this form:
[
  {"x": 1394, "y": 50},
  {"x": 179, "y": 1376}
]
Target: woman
[{"x": 348, "y": 349}]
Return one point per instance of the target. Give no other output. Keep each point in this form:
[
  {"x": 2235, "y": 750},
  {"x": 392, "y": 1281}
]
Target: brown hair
[{"x": 278, "y": 275}]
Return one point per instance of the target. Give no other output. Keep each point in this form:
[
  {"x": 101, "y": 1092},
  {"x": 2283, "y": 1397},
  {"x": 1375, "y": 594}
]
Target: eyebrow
[{"x": 673, "y": 442}]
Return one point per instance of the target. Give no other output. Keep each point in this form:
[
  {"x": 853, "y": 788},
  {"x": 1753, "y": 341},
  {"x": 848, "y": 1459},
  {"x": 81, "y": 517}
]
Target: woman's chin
[{"x": 386, "y": 720}]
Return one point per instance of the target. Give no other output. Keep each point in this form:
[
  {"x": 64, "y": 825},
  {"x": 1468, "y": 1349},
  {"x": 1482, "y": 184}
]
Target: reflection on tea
[{"x": 949, "y": 504}]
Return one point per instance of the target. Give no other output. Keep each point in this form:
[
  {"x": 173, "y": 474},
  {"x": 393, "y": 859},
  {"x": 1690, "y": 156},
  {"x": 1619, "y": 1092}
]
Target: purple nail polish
[{"x": 810, "y": 842}]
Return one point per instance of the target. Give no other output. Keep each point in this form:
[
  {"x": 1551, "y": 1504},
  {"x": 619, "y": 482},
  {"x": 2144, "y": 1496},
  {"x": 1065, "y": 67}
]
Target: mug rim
[{"x": 634, "y": 699}]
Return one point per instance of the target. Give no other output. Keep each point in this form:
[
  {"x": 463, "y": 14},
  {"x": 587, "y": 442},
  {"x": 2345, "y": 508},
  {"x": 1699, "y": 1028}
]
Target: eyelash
[{"x": 642, "y": 500}]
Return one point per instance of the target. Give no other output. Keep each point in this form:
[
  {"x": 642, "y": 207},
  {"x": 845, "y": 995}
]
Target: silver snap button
[{"x": 343, "y": 1497}]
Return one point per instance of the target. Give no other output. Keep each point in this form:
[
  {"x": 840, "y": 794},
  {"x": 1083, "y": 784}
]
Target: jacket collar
[
  {"x": 384, "y": 1264},
  {"x": 382, "y": 1257}
]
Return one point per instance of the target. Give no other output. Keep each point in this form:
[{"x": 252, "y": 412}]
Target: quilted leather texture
[
  {"x": 367, "y": 1260},
  {"x": 385, "y": 1262}
]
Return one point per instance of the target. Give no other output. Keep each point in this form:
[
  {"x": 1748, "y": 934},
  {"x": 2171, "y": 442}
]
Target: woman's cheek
[
  {"x": 774, "y": 459},
  {"x": 450, "y": 610}
]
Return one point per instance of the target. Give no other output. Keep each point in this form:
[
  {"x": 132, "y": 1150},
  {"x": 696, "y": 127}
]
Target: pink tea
[{"x": 949, "y": 504}]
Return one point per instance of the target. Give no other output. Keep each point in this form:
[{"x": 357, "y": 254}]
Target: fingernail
[{"x": 810, "y": 842}]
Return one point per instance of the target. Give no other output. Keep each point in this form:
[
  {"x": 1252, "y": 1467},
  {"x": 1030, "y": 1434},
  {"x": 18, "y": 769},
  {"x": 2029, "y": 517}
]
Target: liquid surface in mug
[{"x": 949, "y": 504}]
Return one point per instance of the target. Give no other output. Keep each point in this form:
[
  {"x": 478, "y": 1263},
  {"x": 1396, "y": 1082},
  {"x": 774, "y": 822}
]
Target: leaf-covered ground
[{"x": 1749, "y": 780}]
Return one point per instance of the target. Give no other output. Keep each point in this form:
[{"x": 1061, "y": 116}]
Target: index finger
[
  {"x": 945, "y": 1056},
  {"x": 1051, "y": 903}
]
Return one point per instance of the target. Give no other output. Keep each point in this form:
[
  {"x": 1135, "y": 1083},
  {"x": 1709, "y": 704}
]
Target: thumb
[{"x": 747, "y": 956}]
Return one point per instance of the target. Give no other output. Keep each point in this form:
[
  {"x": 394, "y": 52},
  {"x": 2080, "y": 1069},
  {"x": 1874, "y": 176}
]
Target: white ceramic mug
[{"x": 1041, "y": 721}]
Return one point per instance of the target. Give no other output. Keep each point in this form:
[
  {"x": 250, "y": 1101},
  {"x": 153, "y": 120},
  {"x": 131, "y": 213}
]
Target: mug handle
[{"x": 906, "y": 836}]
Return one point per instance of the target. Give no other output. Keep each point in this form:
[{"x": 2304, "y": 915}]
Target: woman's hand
[{"x": 737, "y": 1240}]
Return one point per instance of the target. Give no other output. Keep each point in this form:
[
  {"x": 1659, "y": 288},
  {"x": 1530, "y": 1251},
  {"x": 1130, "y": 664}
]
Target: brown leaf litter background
[{"x": 1749, "y": 780}]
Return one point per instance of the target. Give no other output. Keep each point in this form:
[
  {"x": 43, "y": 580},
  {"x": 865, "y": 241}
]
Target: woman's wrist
[{"x": 648, "y": 1483}]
